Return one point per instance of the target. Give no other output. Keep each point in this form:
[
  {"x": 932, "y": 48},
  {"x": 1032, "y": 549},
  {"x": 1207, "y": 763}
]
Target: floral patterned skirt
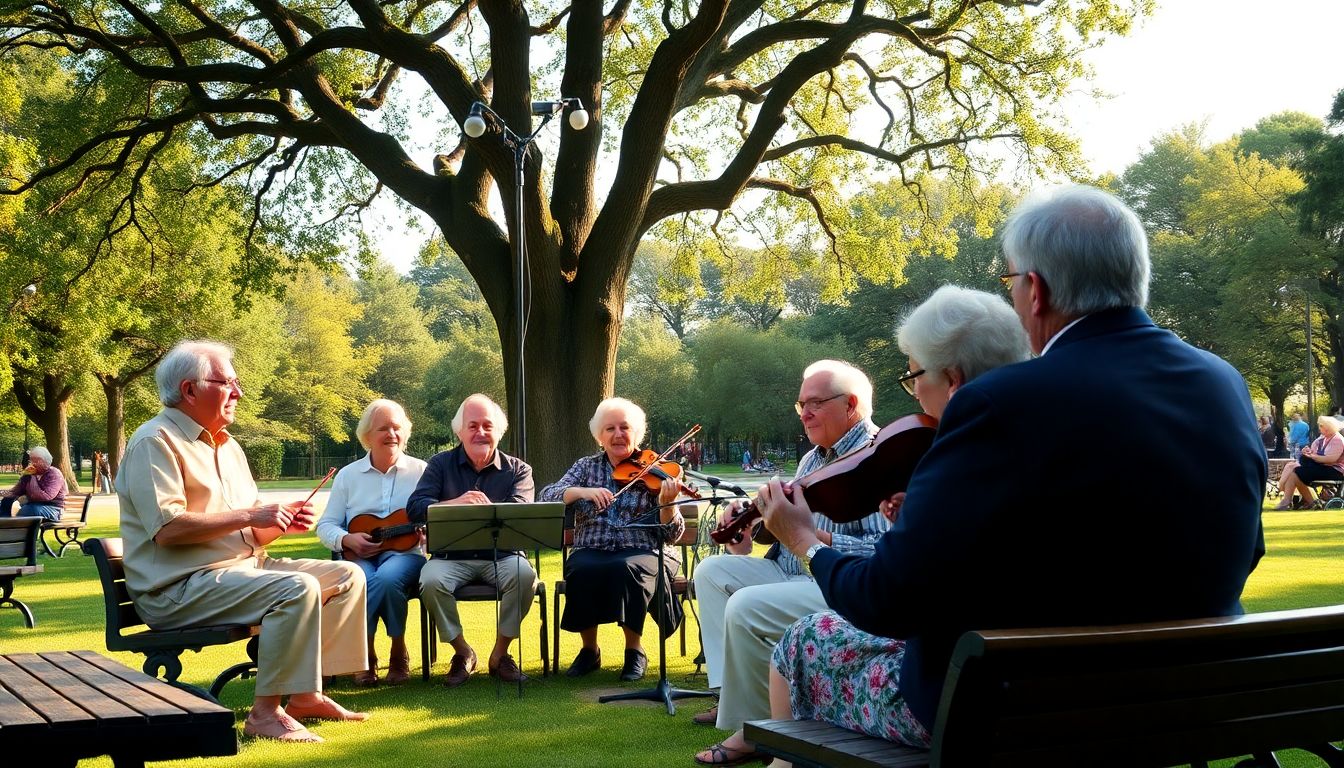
[{"x": 842, "y": 675}]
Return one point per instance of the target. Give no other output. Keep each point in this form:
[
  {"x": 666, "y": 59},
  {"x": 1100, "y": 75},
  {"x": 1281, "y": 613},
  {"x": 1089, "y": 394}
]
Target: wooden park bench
[
  {"x": 162, "y": 647},
  {"x": 65, "y": 532},
  {"x": 18, "y": 541},
  {"x": 1173, "y": 693}
]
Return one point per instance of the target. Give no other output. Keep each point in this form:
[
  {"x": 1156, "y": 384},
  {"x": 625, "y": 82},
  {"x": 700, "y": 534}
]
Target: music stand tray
[{"x": 507, "y": 526}]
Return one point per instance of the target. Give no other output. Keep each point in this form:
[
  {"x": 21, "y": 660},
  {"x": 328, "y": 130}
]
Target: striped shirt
[{"x": 855, "y": 538}]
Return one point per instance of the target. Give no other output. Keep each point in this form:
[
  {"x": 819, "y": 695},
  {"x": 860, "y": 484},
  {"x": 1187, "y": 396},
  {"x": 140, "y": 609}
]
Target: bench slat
[
  {"x": 19, "y": 570},
  {"x": 103, "y": 708},
  {"x": 14, "y": 712},
  {"x": 198, "y": 707},
  {"x": 41, "y": 699},
  {"x": 117, "y": 689}
]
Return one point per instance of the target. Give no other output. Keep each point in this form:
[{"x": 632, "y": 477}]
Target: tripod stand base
[{"x": 660, "y": 692}]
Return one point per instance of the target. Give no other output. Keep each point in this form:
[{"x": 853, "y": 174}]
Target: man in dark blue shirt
[{"x": 476, "y": 472}]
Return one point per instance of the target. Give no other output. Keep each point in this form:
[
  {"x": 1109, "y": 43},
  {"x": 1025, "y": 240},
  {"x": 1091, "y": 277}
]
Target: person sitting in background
[
  {"x": 1322, "y": 460},
  {"x": 103, "y": 470},
  {"x": 609, "y": 575},
  {"x": 378, "y": 485},
  {"x": 950, "y": 339},
  {"x": 1299, "y": 434},
  {"x": 41, "y": 486},
  {"x": 1037, "y": 547}
]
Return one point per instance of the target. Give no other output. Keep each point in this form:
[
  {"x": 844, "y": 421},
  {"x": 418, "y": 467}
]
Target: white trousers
[{"x": 746, "y": 603}]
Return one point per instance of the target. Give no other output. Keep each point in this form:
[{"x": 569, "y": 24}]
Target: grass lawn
[{"x": 558, "y": 722}]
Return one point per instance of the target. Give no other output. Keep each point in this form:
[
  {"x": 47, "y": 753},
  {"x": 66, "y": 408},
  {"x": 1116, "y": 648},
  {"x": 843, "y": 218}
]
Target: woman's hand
[
  {"x": 601, "y": 497},
  {"x": 667, "y": 492},
  {"x": 361, "y": 545},
  {"x": 891, "y": 508}
]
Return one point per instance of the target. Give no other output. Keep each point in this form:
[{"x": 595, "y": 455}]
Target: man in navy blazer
[{"x": 1122, "y": 514}]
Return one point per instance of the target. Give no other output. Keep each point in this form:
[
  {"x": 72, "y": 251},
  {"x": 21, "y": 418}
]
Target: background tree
[{"x": 714, "y": 100}]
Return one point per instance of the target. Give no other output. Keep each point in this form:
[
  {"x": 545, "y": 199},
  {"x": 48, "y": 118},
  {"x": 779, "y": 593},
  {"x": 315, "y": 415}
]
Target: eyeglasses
[
  {"x": 226, "y": 383},
  {"x": 1007, "y": 279},
  {"x": 813, "y": 404},
  {"x": 908, "y": 381}
]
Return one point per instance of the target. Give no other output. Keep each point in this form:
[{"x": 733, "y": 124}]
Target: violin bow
[
  {"x": 689, "y": 434},
  {"x": 325, "y": 478}
]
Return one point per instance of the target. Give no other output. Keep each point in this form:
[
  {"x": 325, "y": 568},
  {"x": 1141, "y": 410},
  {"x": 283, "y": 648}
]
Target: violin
[
  {"x": 644, "y": 468},
  {"x": 851, "y": 487}
]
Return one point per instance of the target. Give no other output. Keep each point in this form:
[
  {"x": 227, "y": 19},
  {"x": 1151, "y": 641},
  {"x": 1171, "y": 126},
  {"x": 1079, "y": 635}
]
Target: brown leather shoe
[
  {"x": 399, "y": 670},
  {"x": 459, "y": 669},
  {"x": 507, "y": 670},
  {"x": 366, "y": 678}
]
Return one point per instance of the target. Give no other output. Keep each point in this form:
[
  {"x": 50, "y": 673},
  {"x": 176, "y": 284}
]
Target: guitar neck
[{"x": 393, "y": 531}]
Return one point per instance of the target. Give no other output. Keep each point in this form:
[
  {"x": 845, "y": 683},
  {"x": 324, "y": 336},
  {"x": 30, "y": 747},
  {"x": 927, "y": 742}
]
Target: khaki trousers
[
  {"x": 746, "y": 603},
  {"x": 312, "y": 616},
  {"x": 513, "y": 576}
]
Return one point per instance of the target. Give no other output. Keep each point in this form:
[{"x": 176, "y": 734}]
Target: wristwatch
[{"x": 811, "y": 553}]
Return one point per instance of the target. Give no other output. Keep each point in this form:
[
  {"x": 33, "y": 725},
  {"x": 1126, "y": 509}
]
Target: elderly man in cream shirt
[{"x": 195, "y": 533}]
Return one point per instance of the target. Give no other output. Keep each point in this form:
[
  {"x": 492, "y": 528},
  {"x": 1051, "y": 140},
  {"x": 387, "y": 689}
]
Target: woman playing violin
[
  {"x": 610, "y": 573},
  {"x": 378, "y": 484}
]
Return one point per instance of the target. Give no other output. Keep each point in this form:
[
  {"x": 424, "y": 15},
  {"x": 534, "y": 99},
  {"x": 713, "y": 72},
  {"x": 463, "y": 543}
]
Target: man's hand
[
  {"x": 790, "y": 520},
  {"x": 360, "y": 544},
  {"x": 302, "y": 516},
  {"x": 891, "y": 508},
  {"x": 470, "y": 497},
  {"x": 271, "y": 516}
]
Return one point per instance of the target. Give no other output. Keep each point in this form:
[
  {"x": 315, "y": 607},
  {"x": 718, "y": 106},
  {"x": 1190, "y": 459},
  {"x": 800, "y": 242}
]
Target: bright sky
[{"x": 1230, "y": 62}]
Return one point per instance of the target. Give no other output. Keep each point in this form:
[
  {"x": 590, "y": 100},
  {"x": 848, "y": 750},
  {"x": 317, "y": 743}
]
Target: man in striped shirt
[{"x": 746, "y": 602}]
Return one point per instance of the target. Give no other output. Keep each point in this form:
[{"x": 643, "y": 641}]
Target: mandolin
[
  {"x": 851, "y": 487},
  {"x": 395, "y": 532}
]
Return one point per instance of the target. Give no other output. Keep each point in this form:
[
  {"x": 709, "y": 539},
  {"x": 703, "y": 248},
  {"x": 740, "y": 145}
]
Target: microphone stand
[{"x": 662, "y": 691}]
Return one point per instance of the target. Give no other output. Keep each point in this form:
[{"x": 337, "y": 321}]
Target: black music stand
[
  {"x": 662, "y": 691},
  {"x": 506, "y": 525}
]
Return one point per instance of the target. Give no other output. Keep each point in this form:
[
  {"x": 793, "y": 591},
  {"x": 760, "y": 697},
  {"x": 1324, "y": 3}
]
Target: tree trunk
[
  {"x": 52, "y": 418},
  {"x": 115, "y": 393}
]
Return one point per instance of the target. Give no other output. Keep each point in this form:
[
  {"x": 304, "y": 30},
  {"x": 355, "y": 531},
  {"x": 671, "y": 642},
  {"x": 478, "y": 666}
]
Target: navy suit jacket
[{"x": 1117, "y": 478}]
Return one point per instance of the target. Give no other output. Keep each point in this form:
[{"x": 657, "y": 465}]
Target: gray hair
[
  {"x": 633, "y": 414},
  {"x": 1087, "y": 245},
  {"x": 365, "y": 425},
  {"x": 187, "y": 361},
  {"x": 846, "y": 380},
  {"x": 41, "y": 452},
  {"x": 496, "y": 414},
  {"x": 958, "y": 328}
]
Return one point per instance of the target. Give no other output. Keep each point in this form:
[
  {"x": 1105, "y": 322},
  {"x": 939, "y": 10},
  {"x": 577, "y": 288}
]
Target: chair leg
[
  {"x": 545, "y": 651},
  {"x": 7, "y": 598},
  {"x": 426, "y": 641},
  {"x": 555, "y": 629}
]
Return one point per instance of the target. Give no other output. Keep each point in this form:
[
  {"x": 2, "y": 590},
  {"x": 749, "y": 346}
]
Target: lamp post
[{"x": 474, "y": 126}]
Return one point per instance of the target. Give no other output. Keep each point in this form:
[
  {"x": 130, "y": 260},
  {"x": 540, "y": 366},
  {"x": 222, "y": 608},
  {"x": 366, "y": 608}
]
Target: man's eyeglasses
[
  {"x": 908, "y": 381},
  {"x": 1007, "y": 279},
  {"x": 226, "y": 383},
  {"x": 813, "y": 404}
]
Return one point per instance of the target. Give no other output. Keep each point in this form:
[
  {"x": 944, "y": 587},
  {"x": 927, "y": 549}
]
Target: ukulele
[{"x": 395, "y": 532}]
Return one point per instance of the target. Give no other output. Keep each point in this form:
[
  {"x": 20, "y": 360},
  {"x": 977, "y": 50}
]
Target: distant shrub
[{"x": 264, "y": 454}]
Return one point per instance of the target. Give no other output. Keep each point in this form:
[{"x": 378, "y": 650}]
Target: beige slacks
[
  {"x": 515, "y": 578},
  {"x": 311, "y": 613},
  {"x": 746, "y": 603}
]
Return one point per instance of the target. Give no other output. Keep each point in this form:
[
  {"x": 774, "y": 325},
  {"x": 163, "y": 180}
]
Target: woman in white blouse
[{"x": 378, "y": 484}]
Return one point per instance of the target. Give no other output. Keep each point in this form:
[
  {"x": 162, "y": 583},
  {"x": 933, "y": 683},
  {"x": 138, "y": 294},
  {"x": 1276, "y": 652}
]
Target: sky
[{"x": 1227, "y": 62}]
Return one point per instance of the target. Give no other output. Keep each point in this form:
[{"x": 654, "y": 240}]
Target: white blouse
[{"x": 360, "y": 489}]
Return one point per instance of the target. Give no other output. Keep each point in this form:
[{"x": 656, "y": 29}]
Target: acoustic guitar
[{"x": 395, "y": 532}]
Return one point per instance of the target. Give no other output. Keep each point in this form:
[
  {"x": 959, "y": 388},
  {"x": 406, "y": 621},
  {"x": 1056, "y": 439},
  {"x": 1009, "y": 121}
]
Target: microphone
[{"x": 716, "y": 482}]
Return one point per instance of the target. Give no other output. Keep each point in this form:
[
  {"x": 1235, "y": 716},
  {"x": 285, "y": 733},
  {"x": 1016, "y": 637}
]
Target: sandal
[{"x": 720, "y": 754}]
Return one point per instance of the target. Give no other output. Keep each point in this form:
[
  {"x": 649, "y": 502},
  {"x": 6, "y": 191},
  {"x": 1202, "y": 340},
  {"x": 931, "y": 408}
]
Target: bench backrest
[
  {"x": 18, "y": 538},
  {"x": 1144, "y": 695},
  {"x": 76, "y": 509},
  {"x": 121, "y": 613}
]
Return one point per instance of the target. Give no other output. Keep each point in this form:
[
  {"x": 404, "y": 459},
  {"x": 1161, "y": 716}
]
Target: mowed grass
[{"x": 558, "y": 721}]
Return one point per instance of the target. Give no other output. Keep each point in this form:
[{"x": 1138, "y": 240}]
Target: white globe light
[
  {"x": 474, "y": 126},
  {"x": 578, "y": 119}
]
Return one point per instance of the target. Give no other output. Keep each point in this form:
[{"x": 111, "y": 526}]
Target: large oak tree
[{"x": 693, "y": 105}]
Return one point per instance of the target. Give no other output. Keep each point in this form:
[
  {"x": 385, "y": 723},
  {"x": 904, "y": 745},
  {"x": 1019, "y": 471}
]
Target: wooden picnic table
[{"x": 59, "y": 707}]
